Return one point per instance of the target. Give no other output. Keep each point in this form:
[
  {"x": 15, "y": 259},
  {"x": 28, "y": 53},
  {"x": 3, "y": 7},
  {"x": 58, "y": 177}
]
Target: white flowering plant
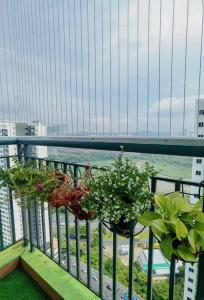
[{"x": 120, "y": 192}]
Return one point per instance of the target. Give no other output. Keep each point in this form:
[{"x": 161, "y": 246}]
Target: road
[{"x": 107, "y": 293}]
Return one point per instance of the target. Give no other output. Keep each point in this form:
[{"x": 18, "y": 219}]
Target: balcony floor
[{"x": 19, "y": 286}]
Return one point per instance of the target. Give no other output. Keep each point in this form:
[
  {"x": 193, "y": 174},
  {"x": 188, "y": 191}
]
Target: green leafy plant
[
  {"x": 178, "y": 225},
  {"x": 120, "y": 192},
  {"x": 32, "y": 185},
  {"x": 28, "y": 182}
]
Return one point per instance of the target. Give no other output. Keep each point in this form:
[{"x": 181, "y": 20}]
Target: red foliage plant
[{"x": 65, "y": 195}]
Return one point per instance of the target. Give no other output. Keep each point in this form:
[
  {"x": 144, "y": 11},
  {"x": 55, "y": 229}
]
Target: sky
[{"x": 102, "y": 66}]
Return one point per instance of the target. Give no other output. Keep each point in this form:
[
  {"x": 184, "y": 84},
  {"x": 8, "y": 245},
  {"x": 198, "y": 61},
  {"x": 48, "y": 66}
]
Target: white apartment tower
[
  {"x": 197, "y": 175},
  {"x": 10, "y": 128}
]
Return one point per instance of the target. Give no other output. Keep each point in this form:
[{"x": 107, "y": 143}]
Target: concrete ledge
[
  {"x": 53, "y": 279},
  {"x": 9, "y": 254},
  {"x": 40, "y": 281},
  {"x": 60, "y": 284}
]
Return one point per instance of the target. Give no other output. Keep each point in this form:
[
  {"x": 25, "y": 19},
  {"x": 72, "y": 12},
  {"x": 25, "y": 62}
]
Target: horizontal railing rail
[{"x": 167, "y": 146}]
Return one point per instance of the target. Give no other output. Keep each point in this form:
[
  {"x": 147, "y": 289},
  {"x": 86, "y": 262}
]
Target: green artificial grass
[
  {"x": 63, "y": 283},
  {"x": 19, "y": 286},
  {"x": 11, "y": 253}
]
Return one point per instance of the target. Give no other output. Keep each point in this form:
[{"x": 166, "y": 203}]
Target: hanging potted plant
[
  {"x": 27, "y": 182},
  {"x": 119, "y": 195},
  {"x": 71, "y": 198},
  {"x": 178, "y": 226}
]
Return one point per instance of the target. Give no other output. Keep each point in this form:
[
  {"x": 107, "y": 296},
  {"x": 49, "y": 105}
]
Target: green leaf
[
  {"x": 181, "y": 230},
  {"x": 200, "y": 238},
  {"x": 166, "y": 247},
  {"x": 192, "y": 238},
  {"x": 199, "y": 221},
  {"x": 186, "y": 254},
  {"x": 198, "y": 206},
  {"x": 147, "y": 218},
  {"x": 199, "y": 217},
  {"x": 179, "y": 203},
  {"x": 162, "y": 201},
  {"x": 157, "y": 234},
  {"x": 159, "y": 225}
]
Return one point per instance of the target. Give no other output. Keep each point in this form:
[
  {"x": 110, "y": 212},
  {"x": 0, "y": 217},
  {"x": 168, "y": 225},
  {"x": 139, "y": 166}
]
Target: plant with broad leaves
[
  {"x": 178, "y": 225},
  {"x": 120, "y": 192}
]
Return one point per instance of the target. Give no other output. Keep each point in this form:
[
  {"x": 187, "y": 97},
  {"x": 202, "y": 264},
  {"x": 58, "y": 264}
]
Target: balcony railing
[{"x": 49, "y": 240}]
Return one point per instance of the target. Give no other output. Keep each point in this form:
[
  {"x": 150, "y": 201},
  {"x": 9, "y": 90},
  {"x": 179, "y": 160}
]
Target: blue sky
[{"x": 58, "y": 64}]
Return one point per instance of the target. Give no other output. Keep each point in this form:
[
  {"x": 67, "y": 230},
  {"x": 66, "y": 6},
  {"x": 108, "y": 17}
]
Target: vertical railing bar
[
  {"x": 101, "y": 260},
  {"x": 88, "y": 253},
  {"x": 50, "y": 230},
  {"x": 199, "y": 288},
  {"x": 50, "y": 223},
  {"x": 23, "y": 210},
  {"x": 36, "y": 223},
  {"x": 114, "y": 266},
  {"x": 173, "y": 260},
  {"x": 150, "y": 254},
  {"x": 172, "y": 278},
  {"x": 88, "y": 246},
  {"x": 30, "y": 230},
  {"x": 67, "y": 234},
  {"x": 77, "y": 247},
  {"x": 43, "y": 226},
  {"x": 24, "y": 222},
  {"x": 67, "y": 238},
  {"x": 131, "y": 263},
  {"x": 55, "y": 165},
  {"x": 77, "y": 227},
  {"x": 11, "y": 206},
  {"x": 1, "y": 233},
  {"x": 43, "y": 216},
  {"x": 58, "y": 236}
]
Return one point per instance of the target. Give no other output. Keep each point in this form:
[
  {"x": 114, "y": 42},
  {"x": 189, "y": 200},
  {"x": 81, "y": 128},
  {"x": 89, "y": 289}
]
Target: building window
[
  {"x": 191, "y": 270},
  {"x": 201, "y": 111},
  {"x": 199, "y": 161},
  {"x": 190, "y": 280},
  {"x": 200, "y": 135},
  {"x": 200, "y": 124},
  {"x": 198, "y": 172},
  {"x": 188, "y": 298},
  {"x": 190, "y": 290}
]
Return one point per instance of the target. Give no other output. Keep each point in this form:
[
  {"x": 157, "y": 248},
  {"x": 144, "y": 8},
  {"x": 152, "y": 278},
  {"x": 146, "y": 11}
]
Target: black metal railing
[{"x": 42, "y": 228}]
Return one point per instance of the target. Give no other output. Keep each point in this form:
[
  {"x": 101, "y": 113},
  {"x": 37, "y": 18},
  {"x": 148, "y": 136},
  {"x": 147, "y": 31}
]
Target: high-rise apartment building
[
  {"x": 19, "y": 129},
  {"x": 197, "y": 175}
]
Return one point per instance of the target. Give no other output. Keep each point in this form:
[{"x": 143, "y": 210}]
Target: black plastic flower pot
[{"x": 122, "y": 228}]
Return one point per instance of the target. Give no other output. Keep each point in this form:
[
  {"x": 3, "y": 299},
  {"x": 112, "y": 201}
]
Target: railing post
[
  {"x": 1, "y": 234},
  {"x": 101, "y": 260},
  {"x": 200, "y": 289},
  {"x": 11, "y": 206},
  {"x": 23, "y": 210},
  {"x": 28, "y": 210},
  {"x": 114, "y": 265},
  {"x": 150, "y": 255},
  {"x": 131, "y": 264},
  {"x": 173, "y": 260}
]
